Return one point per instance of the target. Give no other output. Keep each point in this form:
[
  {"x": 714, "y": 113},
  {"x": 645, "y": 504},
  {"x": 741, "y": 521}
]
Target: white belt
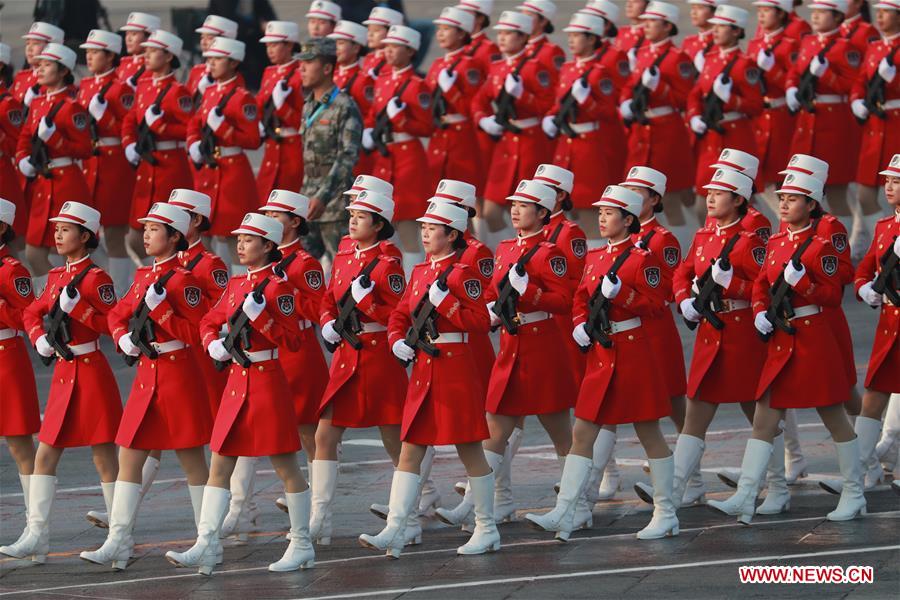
[
  {"x": 585, "y": 127},
  {"x": 109, "y": 141},
  {"x": 451, "y": 338},
  {"x": 659, "y": 111},
  {"x": 169, "y": 145},
  {"x": 626, "y": 325},
  {"x": 891, "y": 105},
  {"x": 166, "y": 347},
  {"x": 454, "y": 118},
  {"x": 732, "y": 116},
  {"x": 287, "y": 132},
  {"x": 525, "y": 123},
  {"x": 805, "y": 311},
  {"x": 262, "y": 355},
  {"x": 305, "y": 324},
  {"x": 63, "y": 161},
  {"x": 372, "y": 327},
  {"x": 5, "y": 334},
  {"x": 399, "y": 137},
  {"x": 533, "y": 317},
  {"x": 732, "y": 305},
  {"x": 776, "y": 102},
  {"x": 86, "y": 348},
  {"x": 226, "y": 151},
  {"x": 830, "y": 99}
]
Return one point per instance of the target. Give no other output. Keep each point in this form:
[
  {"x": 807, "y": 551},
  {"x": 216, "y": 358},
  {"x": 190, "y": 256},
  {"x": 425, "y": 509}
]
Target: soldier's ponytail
[{"x": 7, "y": 236}]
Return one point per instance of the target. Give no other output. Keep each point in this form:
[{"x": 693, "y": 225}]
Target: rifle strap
[
  {"x": 285, "y": 262},
  {"x": 620, "y": 260},
  {"x": 223, "y": 102},
  {"x": 555, "y": 235},
  {"x": 162, "y": 94},
  {"x": 729, "y": 246},
  {"x": 798, "y": 253},
  {"x": 647, "y": 237},
  {"x": 346, "y": 89},
  {"x": 194, "y": 262},
  {"x": 76, "y": 281},
  {"x": 377, "y": 68}
]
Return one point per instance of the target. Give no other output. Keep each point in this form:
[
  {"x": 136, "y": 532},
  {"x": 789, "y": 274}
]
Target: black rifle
[
  {"x": 874, "y": 99},
  {"x": 424, "y": 329},
  {"x": 780, "y": 311},
  {"x": 763, "y": 86},
  {"x": 438, "y": 102},
  {"x": 888, "y": 280},
  {"x": 133, "y": 80},
  {"x": 145, "y": 145},
  {"x": 270, "y": 121},
  {"x": 597, "y": 325},
  {"x": 58, "y": 334},
  {"x": 806, "y": 88},
  {"x": 568, "y": 108},
  {"x": 141, "y": 326},
  {"x": 238, "y": 338},
  {"x": 708, "y": 301},
  {"x": 347, "y": 323},
  {"x": 505, "y": 104},
  {"x": 640, "y": 95},
  {"x": 208, "y": 148},
  {"x": 713, "y": 107},
  {"x": 506, "y": 307},
  {"x": 377, "y": 68},
  {"x": 382, "y": 133},
  {"x": 40, "y": 154},
  {"x": 35, "y": 89},
  {"x": 95, "y": 134}
]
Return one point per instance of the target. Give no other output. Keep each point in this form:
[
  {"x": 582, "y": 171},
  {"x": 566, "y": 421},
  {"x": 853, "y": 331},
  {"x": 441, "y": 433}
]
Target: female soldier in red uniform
[
  {"x": 481, "y": 48},
  {"x": 367, "y": 385},
  {"x": 83, "y": 406},
  {"x": 857, "y": 26},
  {"x": 796, "y": 27},
  {"x": 167, "y": 408},
  {"x": 798, "y": 346},
  {"x": 280, "y": 105},
  {"x": 354, "y": 79},
  {"x": 698, "y": 44},
  {"x": 539, "y": 45},
  {"x": 379, "y": 23},
  {"x": 25, "y": 86},
  {"x": 138, "y": 28},
  {"x": 630, "y": 38},
  {"x": 443, "y": 405},
  {"x": 11, "y": 117},
  {"x": 60, "y": 124},
  {"x": 256, "y": 415},
  {"x": 617, "y": 388},
  {"x": 199, "y": 78},
  {"x": 20, "y": 417}
]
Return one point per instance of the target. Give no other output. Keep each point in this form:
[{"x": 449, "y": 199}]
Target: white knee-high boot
[
  {"x": 602, "y": 453},
  {"x": 242, "y": 511},
  {"x": 886, "y": 450},
  {"x": 743, "y": 502},
  {"x": 36, "y": 543},
  {"x": 300, "y": 553},
  {"x": 611, "y": 482},
  {"x": 688, "y": 452},
  {"x": 504, "y": 505},
  {"x": 430, "y": 498},
  {"x": 867, "y": 432},
  {"x": 25, "y": 481},
  {"x": 778, "y": 496},
  {"x": 148, "y": 475},
  {"x": 203, "y": 553},
  {"x": 561, "y": 518},
  {"x": 324, "y": 479},
  {"x": 101, "y": 519},
  {"x": 392, "y": 538},
  {"x": 119, "y": 542},
  {"x": 852, "y": 502},
  {"x": 664, "y": 522},
  {"x": 485, "y": 538},
  {"x": 795, "y": 465}
]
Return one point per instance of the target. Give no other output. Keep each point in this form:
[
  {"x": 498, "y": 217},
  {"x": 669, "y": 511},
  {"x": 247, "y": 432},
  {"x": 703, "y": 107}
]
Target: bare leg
[
  {"x": 766, "y": 420},
  {"x": 21, "y": 448},
  {"x": 652, "y": 439},
  {"x": 678, "y": 411},
  {"x": 698, "y": 416},
  {"x": 559, "y": 427},
  {"x": 501, "y": 427},
  {"x": 390, "y": 437},
  {"x": 308, "y": 440},
  {"x": 873, "y": 404},
  {"x": 328, "y": 437},
  {"x": 220, "y": 469},
  {"x": 854, "y": 404},
  {"x": 584, "y": 434},
  {"x": 288, "y": 470},
  {"x": 472, "y": 457},
  {"x": 193, "y": 463},
  {"x": 131, "y": 464},
  {"x": 106, "y": 462},
  {"x": 408, "y": 233},
  {"x": 835, "y": 419},
  {"x": 411, "y": 456}
]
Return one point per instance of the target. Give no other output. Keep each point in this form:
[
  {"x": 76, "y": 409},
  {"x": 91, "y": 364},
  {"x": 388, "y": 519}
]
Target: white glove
[
  {"x": 688, "y": 311},
  {"x": 127, "y": 346},
  {"x": 495, "y": 320},
  {"x": 217, "y": 350},
  {"x": 329, "y": 334},
  {"x": 698, "y": 125},
  {"x": 519, "y": 282},
  {"x": 368, "y": 142},
  {"x": 490, "y": 126},
  {"x": 132, "y": 82},
  {"x": 371, "y": 73},
  {"x": 204, "y": 83},
  {"x": 27, "y": 168},
  {"x": 358, "y": 291},
  {"x": 45, "y": 130},
  {"x": 762, "y": 324},
  {"x": 194, "y": 151},
  {"x": 790, "y": 96},
  {"x": 549, "y": 126},
  {"x": 42, "y": 346},
  {"x": 30, "y": 95},
  {"x": 436, "y": 295},
  {"x": 580, "y": 91},
  {"x": 446, "y": 80},
  {"x": 152, "y": 298},
  {"x": 280, "y": 93},
  {"x": 722, "y": 89},
  {"x": 402, "y": 351},
  {"x": 151, "y": 117},
  {"x": 887, "y": 72},
  {"x": 625, "y": 110},
  {"x": 765, "y": 60},
  {"x": 97, "y": 107},
  {"x": 695, "y": 287},
  {"x": 817, "y": 67},
  {"x": 395, "y": 106},
  {"x": 650, "y": 78},
  {"x": 870, "y": 296},
  {"x": 131, "y": 153},
  {"x": 609, "y": 289},
  {"x": 793, "y": 276},
  {"x": 67, "y": 304},
  {"x": 699, "y": 61},
  {"x": 897, "y": 245},
  {"x": 513, "y": 85},
  {"x": 721, "y": 276},
  {"x": 632, "y": 58},
  {"x": 859, "y": 109},
  {"x": 581, "y": 337},
  {"x": 215, "y": 119},
  {"x": 262, "y": 129},
  {"x": 251, "y": 308}
]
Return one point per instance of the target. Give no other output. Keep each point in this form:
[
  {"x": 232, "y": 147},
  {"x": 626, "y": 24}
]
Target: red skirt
[
  {"x": 19, "y": 410},
  {"x": 577, "y": 358},
  {"x": 774, "y": 129},
  {"x": 453, "y": 154},
  {"x": 880, "y": 141},
  {"x": 595, "y": 158},
  {"x": 167, "y": 408},
  {"x": 11, "y": 188},
  {"x": 111, "y": 190},
  {"x": 307, "y": 376},
  {"x": 830, "y": 134},
  {"x": 620, "y": 385},
  {"x": 666, "y": 345},
  {"x": 366, "y": 387},
  {"x": 84, "y": 407},
  {"x": 47, "y": 198},
  {"x": 515, "y": 157},
  {"x": 483, "y": 354},
  {"x": 841, "y": 329},
  {"x": 155, "y": 183},
  {"x": 406, "y": 168},
  {"x": 232, "y": 188},
  {"x": 282, "y": 166},
  {"x": 883, "y": 374},
  {"x": 256, "y": 415},
  {"x": 213, "y": 380},
  {"x": 664, "y": 145}
]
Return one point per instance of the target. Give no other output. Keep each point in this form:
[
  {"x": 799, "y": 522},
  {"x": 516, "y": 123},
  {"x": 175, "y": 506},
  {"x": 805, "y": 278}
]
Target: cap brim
[
  {"x": 269, "y": 39},
  {"x": 718, "y": 186},
  {"x": 155, "y": 219},
  {"x": 884, "y": 6},
  {"x": 155, "y": 44},
  {"x": 314, "y": 14},
  {"x": 95, "y": 46},
  {"x": 35, "y": 36},
  {"x": 499, "y": 27},
  {"x": 794, "y": 190},
  {"x": 890, "y": 173},
  {"x": 443, "y": 21},
  {"x": 384, "y": 23},
  {"x": 397, "y": 42},
  {"x": 241, "y": 230},
  {"x": 84, "y": 224},
  {"x": 721, "y": 21}
]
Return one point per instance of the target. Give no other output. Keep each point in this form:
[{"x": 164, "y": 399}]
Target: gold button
[
  {"x": 243, "y": 372},
  {"x": 630, "y": 337},
  {"x": 171, "y": 357},
  {"x": 374, "y": 342},
  {"x": 2, "y": 347},
  {"x": 428, "y": 362},
  {"x": 232, "y": 392},
  {"x": 142, "y": 386},
  {"x": 778, "y": 348},
  {"x": 737, "y": 319},
  {"x": 61, "y": 380},
  {"x": 599, "y": 364},
  {"x": 261, "y": 368},
  {"x": 806, "y": 321},
  {"x": 449, "y": 354},
  {"x": 87, "y": 361}
]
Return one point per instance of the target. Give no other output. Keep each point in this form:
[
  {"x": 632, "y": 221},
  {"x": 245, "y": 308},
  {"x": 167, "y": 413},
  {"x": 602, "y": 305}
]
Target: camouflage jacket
[{"x": 331, "y": 146}]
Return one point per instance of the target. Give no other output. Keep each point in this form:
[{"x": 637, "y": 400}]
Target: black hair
[
  {"x": 785, "y": 17},
  {"x": 658, "y": 207},
  {"x": 742, "y": 33},
  {"x": 817, "y": 211},
  {"x": 598, "y": 40},
  {"x": 460, "y": 242},
  {"x": 68, "y": 78},
  {"x": 116, "y": 59},
  {"x": 204, "y": 225},
  {"x": 865, "y": 12},
  {"x": 386, "y": 231},
  {"x": 838, "y": 16},
  {"x": 546, "y": 219},
  {"x": 182, "y": 244},
  {"x": 175, "y": 64},
  {"x": 472, "y": 212},
  {"x": 7, "y": 236},
  {"x": 567, "y": 202},
  {"x": 674, "y": 31},
  {"x": 635, "y": 226},
  {"x": 6, "y": 75},
  {"x": 303, "y": 229},
  {"x": 93, "y": 241},
  {"x": 611, "y": 29},
  {"x": 743, "y": 207},
  {"x": 328, "y": 60},
  {"x": 467, "y": 37},
  {"x": 548, "y": 27},
  {"x": 486, "y": 18},
  {"x": 274, "y": 254}
]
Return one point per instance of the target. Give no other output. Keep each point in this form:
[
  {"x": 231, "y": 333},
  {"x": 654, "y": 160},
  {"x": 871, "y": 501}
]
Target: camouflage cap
[{"x": 317, "y": 47}]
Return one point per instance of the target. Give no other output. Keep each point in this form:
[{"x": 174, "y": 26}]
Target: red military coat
[
  {"x": 453, "y": 151},
  {"x": 517, "y": 155},
  {"x": 595, "y": 155},
  {"x": 374, "y": 64},
  {"x": 22, "y": 80},
  {"x": 256, "y": 414},
  {"x": 11, "y": 117},
  {"x": 70, "y": 141},
  {"x": 282, "y": 163},
  {"x": 167, "y": 407},
  {"x": 406, "y": 165},
  {"x": 230, "y": 185},
  {"x": 727, "y": 363},
  {"x": 547, "y": 53},
  {"x": 110, "y": 178},
  {"x": 366, "y": 387},
  {"x": 484, "y": 52},
  {"x": 355, "y": 80},
  {"x": 797, "y": 27},
  {"x": 129, "y": 66},
  {"x": 700, "y": 42},
  {"x": 746, "y": 102},
  {"x": 19, "y": 412},
  {"x": 629, "y": 36},
  {"x": 754, "y": 222},
  {"x": 153, "y": 183},
  {"x": 814, "y": 348},
  {"x": 619, "y": 384},
  {"x": 83, "y": 406},
  {"x": 880, "y": 137},
  {"x": 882, "y": 374},
  {"x": 532, "y": 374},
  {"x": 444, "y": 404},
  {"x": 387, "y": 247},
  {"x": 829, "y": 133},
  {"x": 663, "y": 144}
]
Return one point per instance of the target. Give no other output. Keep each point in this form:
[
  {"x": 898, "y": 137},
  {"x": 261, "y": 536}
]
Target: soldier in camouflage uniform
[{"x": 332, "y": 131}]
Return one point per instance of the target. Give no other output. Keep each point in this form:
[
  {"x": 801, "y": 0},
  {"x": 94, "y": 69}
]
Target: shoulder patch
[
  {"x": 80, "y": 120},
  {"x": 473, "y": 76},
  {"x": 127, "y": 100},
  {"x": 686, "y": 70},
  {"x": 558, "y": 61},
  {"x": 424, "y": 99},
  {"x": 23, "y": 286},
  {"x": 313, "y": 279},
  {"x": 286, "y": 304},
  {"x": 220, "y": 277},
  {"x": 579, "y": 247},
  {"x": 759, "y": 255},
  {"x": 624, "y": 68},
  {"x": 839, "y": 241},
  {"x": 15, "y": 117},
  {"x": 185, "y": 104},
  {"x": 486, "y": 267},
  {"x": 652, "y": 276},
  {"x": 543, "y": 78},
  {"x": 192, "y": 295},
  {"x": 473, "y": 288},
  {"x": 107, "y": 293},
  {"x": 605, "y": 86},
  {"x": 764, "y": 234},
  {"x": 558, "y": 265},
  {"x": 671, "y": 255},
  {"x": 829, "y": 264},
  {"x": 752, "y": 75},
  {"x": 249, "y": 111},
  {"x": 396, "y": 283},
  {"x": 854, "y": 58}
]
